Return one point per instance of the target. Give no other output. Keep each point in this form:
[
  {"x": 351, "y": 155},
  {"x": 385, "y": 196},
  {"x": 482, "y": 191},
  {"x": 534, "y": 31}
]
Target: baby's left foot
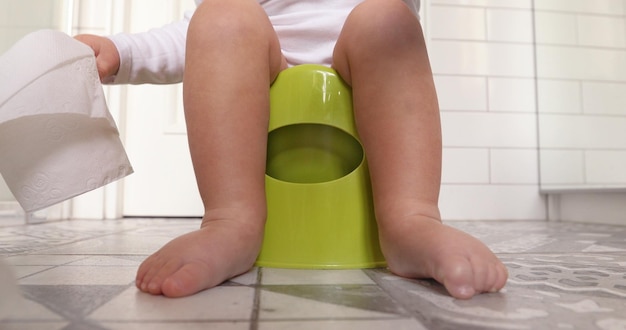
[{"x": 426, "y": 248}]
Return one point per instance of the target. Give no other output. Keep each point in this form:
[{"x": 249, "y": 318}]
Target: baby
[{"x": 232, "y": 48}]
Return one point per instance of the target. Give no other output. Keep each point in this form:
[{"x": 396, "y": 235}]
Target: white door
[{"x": 154, "y": 132}]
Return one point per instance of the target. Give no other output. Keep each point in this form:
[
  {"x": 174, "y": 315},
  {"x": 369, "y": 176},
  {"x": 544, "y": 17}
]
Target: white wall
[
  {"x": 92, "y": 16},
  {"x": 581, "y": 71},
  {"x": 606, "y": 208},
  {"x": 18, "y": 18},
  {"x": 483, "y": 60},
  {"x": 483, "y": 57}
]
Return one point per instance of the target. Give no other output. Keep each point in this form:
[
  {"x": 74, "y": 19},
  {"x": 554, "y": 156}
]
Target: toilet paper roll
[{"x": 57, "y": 137}]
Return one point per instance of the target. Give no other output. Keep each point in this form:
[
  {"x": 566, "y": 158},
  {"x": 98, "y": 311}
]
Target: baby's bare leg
[
  {"x": 232, "y": 56},
  {"x": 381, "y": 53}
]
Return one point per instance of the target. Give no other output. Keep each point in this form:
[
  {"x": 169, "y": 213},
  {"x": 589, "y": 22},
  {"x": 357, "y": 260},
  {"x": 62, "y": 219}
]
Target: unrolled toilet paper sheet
[{"x": 57, "y": 137}]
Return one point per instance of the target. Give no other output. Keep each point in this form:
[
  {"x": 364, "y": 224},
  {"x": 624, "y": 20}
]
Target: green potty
[{"x": 319, "y": 200}]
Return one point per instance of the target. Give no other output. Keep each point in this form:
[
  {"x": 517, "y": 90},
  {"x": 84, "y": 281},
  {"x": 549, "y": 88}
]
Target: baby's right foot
[{"x": 220, "y": 250}]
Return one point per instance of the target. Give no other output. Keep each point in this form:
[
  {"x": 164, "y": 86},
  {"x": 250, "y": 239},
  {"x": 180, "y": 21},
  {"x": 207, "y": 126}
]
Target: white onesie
[{"x": 307, "y": 31}]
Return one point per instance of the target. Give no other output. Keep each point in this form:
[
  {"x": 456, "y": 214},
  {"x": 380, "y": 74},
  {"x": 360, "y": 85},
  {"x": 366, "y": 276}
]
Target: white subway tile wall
[
  {"x": 512, "y": 95},
  {"x": 483, "y": 60},
  {"x": 581, "y": 90}
]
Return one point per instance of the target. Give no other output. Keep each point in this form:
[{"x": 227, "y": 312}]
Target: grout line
[
  {"x": 256, "y": 304},
  {"x": 50, "y": 267},
  {"x": 405, "y": 309}
]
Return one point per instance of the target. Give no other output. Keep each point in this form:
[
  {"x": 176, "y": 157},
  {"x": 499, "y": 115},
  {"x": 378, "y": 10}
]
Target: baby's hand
[{"x": 107, "y": 56}]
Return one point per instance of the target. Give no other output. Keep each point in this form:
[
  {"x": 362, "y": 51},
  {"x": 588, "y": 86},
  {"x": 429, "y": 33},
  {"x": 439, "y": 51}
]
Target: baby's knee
[
  {"x": 229, "y": 19},
  {"x": 386, "y": 22}
]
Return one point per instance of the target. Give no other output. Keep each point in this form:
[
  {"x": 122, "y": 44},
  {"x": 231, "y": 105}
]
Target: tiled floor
[{"x": 80, "y": 274}]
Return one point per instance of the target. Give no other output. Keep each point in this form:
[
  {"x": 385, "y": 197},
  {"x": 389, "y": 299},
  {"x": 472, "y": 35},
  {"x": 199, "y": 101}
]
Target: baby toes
[
  {"x": 189, "y": 279},
  {"x": 458, "y": 278},
  {"x": 502, "y": 274}
]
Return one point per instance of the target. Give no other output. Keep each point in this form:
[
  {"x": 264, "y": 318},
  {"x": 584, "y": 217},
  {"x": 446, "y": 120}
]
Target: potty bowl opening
[{"x": 311, "y": 153}]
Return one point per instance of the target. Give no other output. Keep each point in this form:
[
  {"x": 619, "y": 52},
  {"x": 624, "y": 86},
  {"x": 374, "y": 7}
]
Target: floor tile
[
  {"x": 249, "y": 278},
  {"x": 363, "y": 297},
  {"x": 10, "y": 218},
  {"x": 31, "y": 325},
  {"x": 581, "y": 274},
  {"x": 395, "y": 324},
  {"x": 280, "y": 306},
  {"x": 124, "y": 261},
  {"x": 42, "y": 260},
  {"x": 118, "y": 245},
  {"x": 176, "y": 325},
  {"x": 24, "y": 271},
  {"x": 541, "y": 304},
  {"x": 277, "y": 276},
  {"x": 80, "y": 274},
  {"x": 10, "y": 298},
  {"x": 31, "y": 311},
  {"x": 546, "y": 237},
  {"x": 72, "y": 302},
  {"x": 83, "y": 275},
  {"x": 225, "y": 303},
  {"x": 17, "y": 243}
]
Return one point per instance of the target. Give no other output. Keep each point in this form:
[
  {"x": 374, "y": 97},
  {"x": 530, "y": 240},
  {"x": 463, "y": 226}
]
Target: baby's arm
[{"x": 156, "y": 56}]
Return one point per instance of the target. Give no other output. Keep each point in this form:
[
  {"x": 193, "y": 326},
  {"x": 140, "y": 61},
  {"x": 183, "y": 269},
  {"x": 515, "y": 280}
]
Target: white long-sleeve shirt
[{"x": 307, "y": 30}]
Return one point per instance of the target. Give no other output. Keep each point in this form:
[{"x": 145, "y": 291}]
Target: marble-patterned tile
[
  {"x": 16, "y": 244},
  {"x": 37, "y": 237},
  {"x": 493, "y": 233},
  {"x": 278, "y": 276},
  {"x": 44, "y": 236},
  {"x": 72, "y": 302},
  {"x": 59, "y": 231},
  {"x": 434, "y": 308},
  {"x": 396, "y": 324},
  {"x": 582, "y": 274},
  {"x": 547, "y": 237},
  {"x": 525, "y": 306},
  {"x": 82, "y": 275},
  {"x": 223, "y": 303}
]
